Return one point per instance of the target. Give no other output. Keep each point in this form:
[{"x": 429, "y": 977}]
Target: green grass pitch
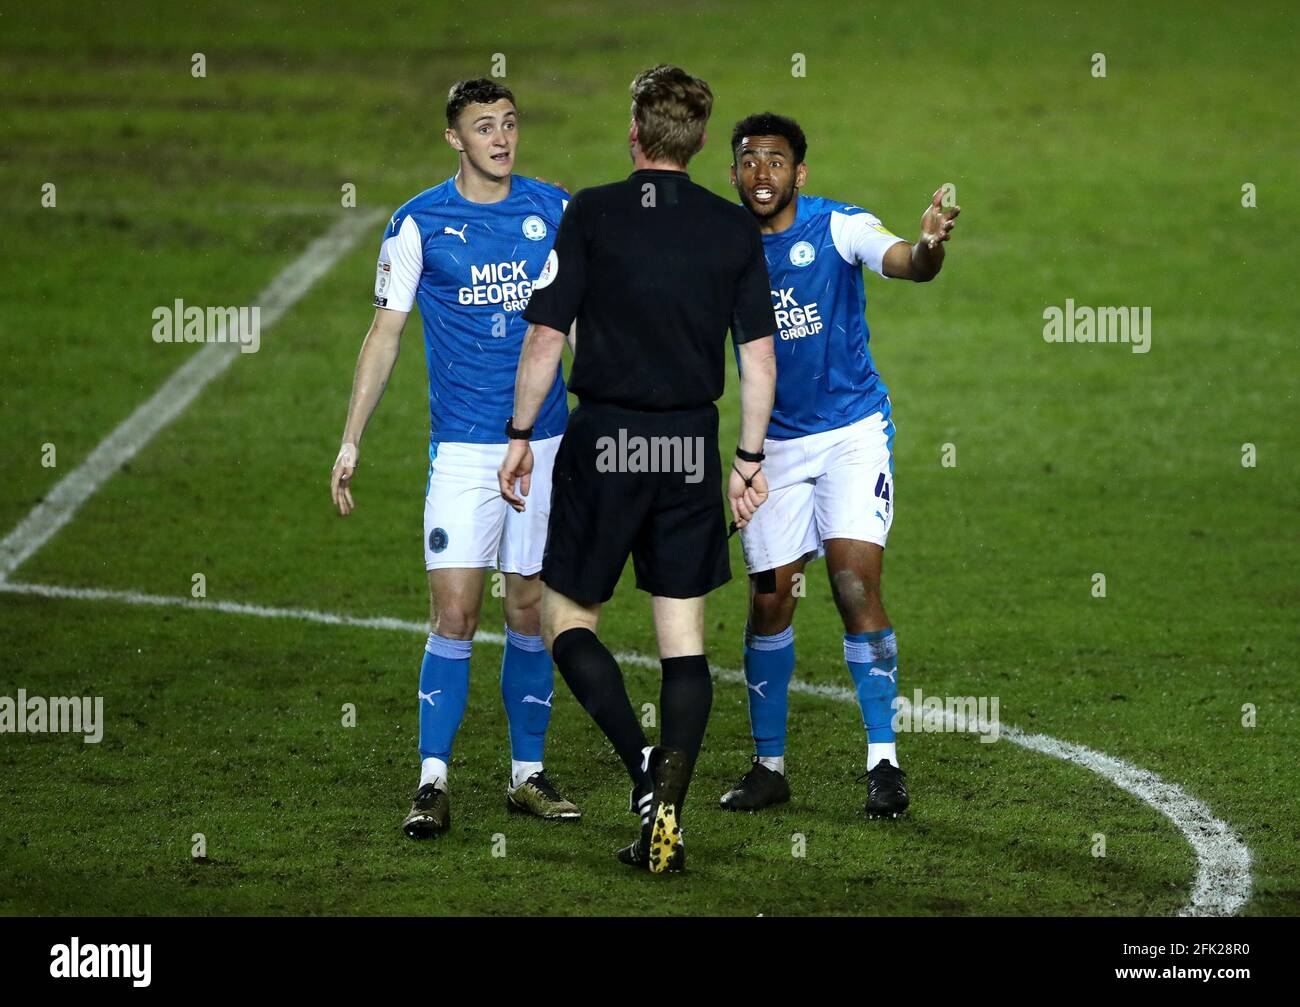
[{"x": 1071, "y": 460}]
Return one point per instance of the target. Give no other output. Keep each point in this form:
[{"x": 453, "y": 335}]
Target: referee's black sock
[
  {"x": 685, "y": 698},
  {"x": 593, "y": 675}
]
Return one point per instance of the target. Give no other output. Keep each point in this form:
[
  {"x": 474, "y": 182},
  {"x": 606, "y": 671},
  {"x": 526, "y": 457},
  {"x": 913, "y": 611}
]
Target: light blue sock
[
  {"x": 873, "y": 662},
  {"x": 444, "y": 690},
  {"x": 769, "y": 664},
  {"x": 527, "y": 687}
]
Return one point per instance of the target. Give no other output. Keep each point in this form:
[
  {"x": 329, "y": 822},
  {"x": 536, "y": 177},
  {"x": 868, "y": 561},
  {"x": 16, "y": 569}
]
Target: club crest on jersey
[
  {"x": 437, "y": 540},
  {"x": 802, "y": 254},
  {"x": 534, "y": 227}
]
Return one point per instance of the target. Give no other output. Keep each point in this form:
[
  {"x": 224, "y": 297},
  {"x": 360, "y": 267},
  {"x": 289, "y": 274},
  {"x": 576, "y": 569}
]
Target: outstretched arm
[{"x": 922, "y": 261}]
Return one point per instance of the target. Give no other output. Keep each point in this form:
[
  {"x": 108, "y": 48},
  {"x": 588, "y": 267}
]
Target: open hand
[
  {"x": 345, "y": 465},
  {"x": 938, "y": 220}
]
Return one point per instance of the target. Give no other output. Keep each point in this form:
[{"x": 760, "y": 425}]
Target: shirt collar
[{"x": 659, "y": 171}]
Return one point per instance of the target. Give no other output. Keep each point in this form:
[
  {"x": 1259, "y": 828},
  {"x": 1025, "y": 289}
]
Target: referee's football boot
[
  {"x": 886, "y": 790},
  {"x": 660, "y": 847},
  {"x": 637, "y": 855},
  {"x": 638, "y": 801},
  {"x": 538, "y": 796},
  {"x": 430, "y": 813},
  {"x": 759, "y": 788}
]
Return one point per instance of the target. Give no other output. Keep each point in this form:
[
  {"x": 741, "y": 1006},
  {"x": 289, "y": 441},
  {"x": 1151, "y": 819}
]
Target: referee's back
[{"x": 655, "y": 269}]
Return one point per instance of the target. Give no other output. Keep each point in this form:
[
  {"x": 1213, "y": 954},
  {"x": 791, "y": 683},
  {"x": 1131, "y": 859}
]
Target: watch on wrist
[{"x": 515, "y": 434}]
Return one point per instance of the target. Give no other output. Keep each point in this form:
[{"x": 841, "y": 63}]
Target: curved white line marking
[{"x": 1223, "y": 880}]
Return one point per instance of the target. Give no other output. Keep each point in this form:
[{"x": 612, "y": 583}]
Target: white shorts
[
  {"x": 467, "y": 523},
  {"x": 835, "y": 484}
]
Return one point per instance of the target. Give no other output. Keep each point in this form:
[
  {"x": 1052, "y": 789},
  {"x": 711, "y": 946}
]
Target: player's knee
[
  {"x": 455, "y": 621},
  {"x": 856, "y": 597},
  {"x": 524, "y": 618},
  {"x": 770, "y": 614}
]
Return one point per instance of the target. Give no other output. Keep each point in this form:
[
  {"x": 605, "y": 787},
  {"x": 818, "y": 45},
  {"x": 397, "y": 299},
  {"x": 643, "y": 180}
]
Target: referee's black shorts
[{"x": 670, "y": 521}]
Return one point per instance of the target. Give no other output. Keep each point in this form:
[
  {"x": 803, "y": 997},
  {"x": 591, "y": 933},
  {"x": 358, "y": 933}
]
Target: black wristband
[
  {"x": 749, "y": 456},
  {"x": 515, "y": 434}
]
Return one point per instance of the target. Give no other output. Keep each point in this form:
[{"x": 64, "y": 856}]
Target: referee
[{"x": 654, "y": 270}]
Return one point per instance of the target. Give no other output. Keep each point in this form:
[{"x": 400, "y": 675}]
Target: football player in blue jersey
[
  {"x": 467, "y": 252},
  {"x": 829, "y": 449}
]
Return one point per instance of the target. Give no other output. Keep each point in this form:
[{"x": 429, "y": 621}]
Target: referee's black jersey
[{"x": 655, "y": 269}]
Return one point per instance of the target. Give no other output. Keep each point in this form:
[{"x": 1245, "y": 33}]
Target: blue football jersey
[
  {"x": 825, "y": 377},
  {"x": 470, "y": 267}
]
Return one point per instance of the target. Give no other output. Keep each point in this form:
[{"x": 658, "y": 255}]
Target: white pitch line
[
  {"x": 1223, "y": 879},
  {"x": 176, "y": 393}
]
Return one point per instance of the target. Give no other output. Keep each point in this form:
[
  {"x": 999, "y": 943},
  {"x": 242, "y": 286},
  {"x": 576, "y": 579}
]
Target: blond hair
[{"x": 671, "y": 109}]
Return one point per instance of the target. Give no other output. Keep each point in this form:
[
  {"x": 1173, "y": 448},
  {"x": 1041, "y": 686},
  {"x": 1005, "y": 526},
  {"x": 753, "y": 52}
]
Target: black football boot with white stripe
[{"x": 660, "y": 848}]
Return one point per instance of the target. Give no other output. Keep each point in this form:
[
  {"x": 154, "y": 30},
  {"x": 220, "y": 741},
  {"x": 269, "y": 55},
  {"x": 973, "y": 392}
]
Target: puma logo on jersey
[
  {"x": 539, "y": 702},
  {"x": 884, "y": 674},
  {"x": 757, "y": 688},
  {"x": 427, "y": 697},
  {"x": 460, "y": 234}
]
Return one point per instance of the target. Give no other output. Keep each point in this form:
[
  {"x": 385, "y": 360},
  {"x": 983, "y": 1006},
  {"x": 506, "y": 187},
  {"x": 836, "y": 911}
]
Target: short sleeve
[
  {"x": 862, "y": 240},
  {"x": 401, "y": 262},
  {"x": 559, "y": 288},
  {"x": 753, "y": 317}
]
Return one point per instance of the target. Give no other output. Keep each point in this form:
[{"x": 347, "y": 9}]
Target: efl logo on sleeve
[{"x": 549, "y": 271}]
